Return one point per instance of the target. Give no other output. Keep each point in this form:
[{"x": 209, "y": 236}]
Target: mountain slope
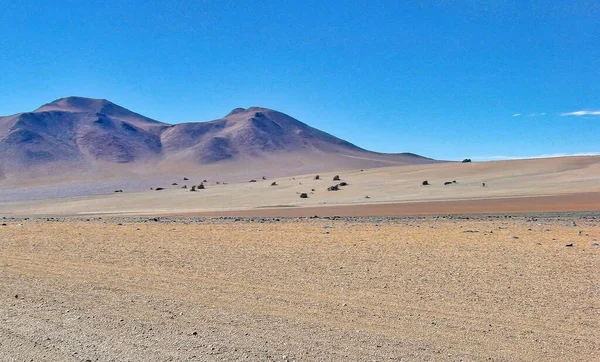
[
  {"x": 67, "y": 133},
  {"x": 82, "y": 134},
  {"x": 263, "y": 133}
]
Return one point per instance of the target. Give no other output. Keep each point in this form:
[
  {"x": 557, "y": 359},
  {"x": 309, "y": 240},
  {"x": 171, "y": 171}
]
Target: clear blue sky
[{"x": 445, "y": 79}]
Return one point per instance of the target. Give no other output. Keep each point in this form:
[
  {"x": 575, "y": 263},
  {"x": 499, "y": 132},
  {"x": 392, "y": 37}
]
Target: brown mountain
[{"x": 86, "y": 134}]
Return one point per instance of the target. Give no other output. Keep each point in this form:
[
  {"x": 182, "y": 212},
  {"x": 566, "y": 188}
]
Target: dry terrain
[
  {"x": 486, "y": 288},
  {"x": 538, "y": 185}
]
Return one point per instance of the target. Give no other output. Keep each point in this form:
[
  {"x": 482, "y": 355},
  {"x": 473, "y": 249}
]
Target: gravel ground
[{"x": 461, "y": 287}]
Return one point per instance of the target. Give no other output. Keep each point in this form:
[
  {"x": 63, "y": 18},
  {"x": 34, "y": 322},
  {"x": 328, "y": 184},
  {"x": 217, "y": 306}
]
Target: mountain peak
[
  {"x": 235, "y": 111},
  {"x": 247, "y": 110},
  {"x": 77, "y": 104}
]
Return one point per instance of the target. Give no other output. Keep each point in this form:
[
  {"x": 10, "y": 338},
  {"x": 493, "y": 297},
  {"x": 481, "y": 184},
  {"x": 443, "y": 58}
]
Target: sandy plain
[
  {"x": 537, "y": 185},
  {"x": 244, "y": 271},
  {"x": 484, "y": 288}
]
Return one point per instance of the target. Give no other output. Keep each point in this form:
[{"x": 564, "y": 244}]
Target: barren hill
[{"x": 73, "y": 136}]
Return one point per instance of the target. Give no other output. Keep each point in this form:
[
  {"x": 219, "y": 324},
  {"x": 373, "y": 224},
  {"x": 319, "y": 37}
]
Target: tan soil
[
  {"x": 589, "y": 201},
  {"x": 571, "y": 183},
  {"x": 427, "y": 289}
]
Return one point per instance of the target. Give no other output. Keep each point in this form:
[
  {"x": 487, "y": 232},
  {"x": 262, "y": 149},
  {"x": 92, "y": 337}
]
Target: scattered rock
[
  {"x": 336, "y": 178},
  {"x": 273, "y": 183},
  {"x": 425, "y": 183},
  {"x": 118, "y": 190},
  {"x": 343, "y": 183},
  {"x": 304, "y": 195},
  {"x": 448, "y": 183},
  {"x": 570, "y": 244},
  {"x": 513, "y": 237},
  {"x": 317, "y": 177},
  {"x": 159, "y": 188},
  {"x": 466, "y": 160},
  {"x": 252, "y": 181},
  {"x": 333, "y": 188},
  {"x": 174, "y": 184}
]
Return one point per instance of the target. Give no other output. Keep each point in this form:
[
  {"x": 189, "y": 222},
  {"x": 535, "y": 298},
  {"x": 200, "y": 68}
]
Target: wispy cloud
[
  {"x": 581, "y": 113},
  {"x": 502, "y": 158},
  {"x": 529, "y": 114}
]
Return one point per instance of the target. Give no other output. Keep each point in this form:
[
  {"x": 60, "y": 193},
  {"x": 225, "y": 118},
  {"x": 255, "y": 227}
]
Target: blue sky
[{"x": 445, "y": 79}]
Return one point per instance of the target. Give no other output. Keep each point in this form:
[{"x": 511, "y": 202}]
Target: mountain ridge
[{"x": 88, "y": 133}]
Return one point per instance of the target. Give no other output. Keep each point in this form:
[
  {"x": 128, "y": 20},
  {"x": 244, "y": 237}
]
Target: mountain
[{"x": 94, "y": 135}]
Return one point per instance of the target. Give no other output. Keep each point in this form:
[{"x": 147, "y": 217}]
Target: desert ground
[
  {"x": 463, "y": 288},
  {"x": 250, "y": 271},
  {"x": 536, "y": 185}
]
